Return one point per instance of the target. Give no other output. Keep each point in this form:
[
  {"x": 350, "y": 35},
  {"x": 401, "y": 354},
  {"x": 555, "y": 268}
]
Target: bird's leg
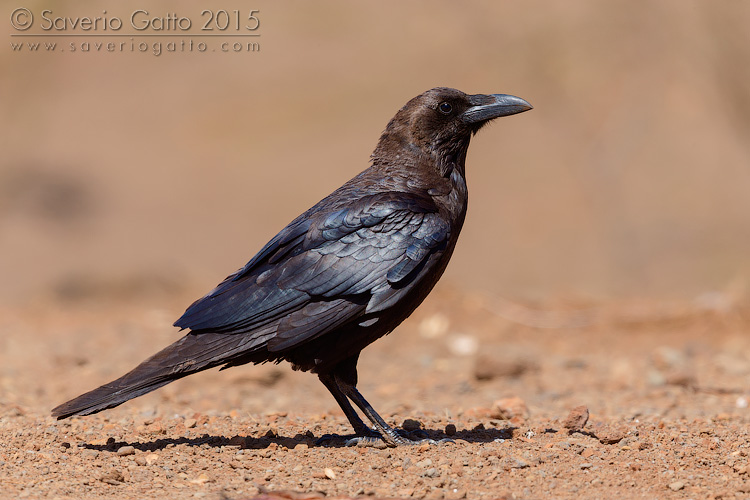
[
  {"x": 342, "y": 383},
  {"x": 345, "y": 380},
  {"x": 387, "y": 433},
  {"x": 360, "y": 428}
]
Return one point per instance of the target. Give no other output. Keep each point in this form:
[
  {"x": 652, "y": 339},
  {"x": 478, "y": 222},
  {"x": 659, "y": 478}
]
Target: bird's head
[{"x": 441, "y": 121}]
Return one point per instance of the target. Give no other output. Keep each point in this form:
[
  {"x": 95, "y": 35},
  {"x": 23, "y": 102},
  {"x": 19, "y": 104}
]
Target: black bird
[{"x": 342, "y": 274}]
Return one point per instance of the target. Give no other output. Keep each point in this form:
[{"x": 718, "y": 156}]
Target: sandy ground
[{"x": 665, "y": 385}]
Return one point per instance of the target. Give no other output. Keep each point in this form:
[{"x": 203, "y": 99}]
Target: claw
[
  {"x": 405, "y": 438},
  {"x": 367, "y": 442}
]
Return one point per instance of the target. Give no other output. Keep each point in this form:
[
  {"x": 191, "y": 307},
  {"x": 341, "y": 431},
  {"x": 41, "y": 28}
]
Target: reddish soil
[{"x": 664, "y": 387}]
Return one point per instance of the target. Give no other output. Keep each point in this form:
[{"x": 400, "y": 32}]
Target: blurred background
[{"x": 131, "y": 176}]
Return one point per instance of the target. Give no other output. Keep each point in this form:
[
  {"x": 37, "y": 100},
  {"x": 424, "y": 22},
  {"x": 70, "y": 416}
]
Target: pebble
[
  {"x": 201, "y": 479},
  {"x": 490, "y": 367},
  {"x": 611, "y": 434},
  {"x": 509, "y": 408},
  {"x": 576, "y": 419},
  {"x": 113, "y": 477},
  {"x": 676, "y": 485},
  {"x": 125, "y": 451},
  {"x": 431, "y": 472},
  {"x": 455, "y": 494},
  {"x": 273, "y": 432},
  {"x": 329, "y": 473},
  {"x": 410, "y": 425},
  {"x": 511, "y": 462},
  {"x": 450, "y": 430},
  {"x": 190, "y": 423}
]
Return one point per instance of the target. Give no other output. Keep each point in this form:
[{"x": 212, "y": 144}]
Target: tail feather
[{"x": 190, "y": 354}]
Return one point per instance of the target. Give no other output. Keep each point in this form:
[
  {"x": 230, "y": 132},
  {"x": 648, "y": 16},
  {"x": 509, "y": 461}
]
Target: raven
[{"x": 341, "y": 275}]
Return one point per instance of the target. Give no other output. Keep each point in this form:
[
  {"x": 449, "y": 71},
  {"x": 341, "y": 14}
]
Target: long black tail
[{"x": 191, "y": 354}]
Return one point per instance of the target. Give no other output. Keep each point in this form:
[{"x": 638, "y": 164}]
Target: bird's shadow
[{"x": 265, "y": 442}]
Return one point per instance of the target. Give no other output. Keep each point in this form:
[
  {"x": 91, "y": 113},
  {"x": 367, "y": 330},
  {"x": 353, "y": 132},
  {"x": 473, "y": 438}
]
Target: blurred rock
[
  {"x": 48, "y": 193},
  {"x": 682, "y": 379},
  {"x": 463, "y": 345},
  {"x": 434, "y": 326},
  {"x": 510, "y": 408},
  {"x": 488, "y": 367},
  {"x": 666, "y": 357}
]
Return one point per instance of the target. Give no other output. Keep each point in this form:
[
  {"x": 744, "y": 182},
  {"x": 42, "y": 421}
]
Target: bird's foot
[{"x": 398, "y": 437}]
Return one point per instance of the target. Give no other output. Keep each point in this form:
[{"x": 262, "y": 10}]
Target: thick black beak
[{"x": 488, "y": 107}]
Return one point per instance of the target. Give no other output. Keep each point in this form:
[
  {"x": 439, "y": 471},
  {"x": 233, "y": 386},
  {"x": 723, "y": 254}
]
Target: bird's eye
[{"x": 445, "y": 108}]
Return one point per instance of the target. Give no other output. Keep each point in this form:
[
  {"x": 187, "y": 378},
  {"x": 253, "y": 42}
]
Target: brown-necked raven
[{"x": 342, "y": 274}]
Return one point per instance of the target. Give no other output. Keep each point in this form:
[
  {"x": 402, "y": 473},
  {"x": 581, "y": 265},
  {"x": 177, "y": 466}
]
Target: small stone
[
  {"x": 152, "y": 458},
  {"x": 125, "y": 451},
  {"x": 201, "y": 479},
  {"x": 450, "y": 430},
  {"x": 586, "y": 465},
  {"x": 455, "y": 494},
  {"x": 424, "y": 463},
  {"x": 113, "y": 477},
  {"x": 588, "y": 452},
  {"x": 140, "y": 460},
  {"x": 273, "y": 432},
  {"x": 329, "y": 473},
  {"x": 489, "y": 367},
  {"x": 576, "y": 419},
  {"x": 301, "y": 446},
  {"x": 410, "y": 425},
  {"x": 676, "y": 485},
  {"x": 431, "y": 472},
  {"x": 511, "y": 462},
  {"x": 190, "y": 423},
  {"x": 509, "y": 408},
  {"x": 612, "y": 434}
]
